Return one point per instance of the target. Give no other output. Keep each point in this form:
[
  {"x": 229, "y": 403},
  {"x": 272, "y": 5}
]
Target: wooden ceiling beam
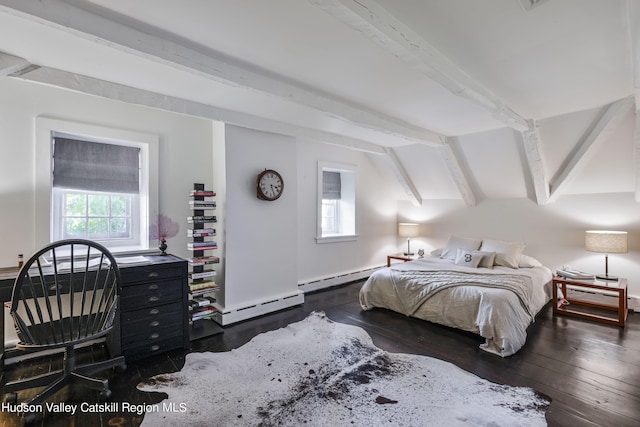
[
  {"x": 130, "y": 95},
  {"x": 10, "y": 65},
  {"x": 457, "y": 174},
  {"x": 601, "y": 130},
  {"x": 403, "y": 177},
  {"x": 98, "y": 25},
  {"x": 376, "y": 24},
  {"x": 535, "y": 160}
]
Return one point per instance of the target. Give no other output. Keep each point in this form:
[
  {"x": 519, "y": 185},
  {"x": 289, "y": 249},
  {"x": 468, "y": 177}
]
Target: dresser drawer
[
  {"x": 151, "y": 335},
  {"x": 151, "y": 273},
  {"x": 151, "y": 313},
  {"x": 151, "y": 348},
  {"x": 157, "y": 322},
  {"x": 151, "y": 294}
]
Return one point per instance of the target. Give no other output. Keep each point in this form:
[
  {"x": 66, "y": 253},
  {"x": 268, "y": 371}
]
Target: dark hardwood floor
[{"x": 591, "y": 371}]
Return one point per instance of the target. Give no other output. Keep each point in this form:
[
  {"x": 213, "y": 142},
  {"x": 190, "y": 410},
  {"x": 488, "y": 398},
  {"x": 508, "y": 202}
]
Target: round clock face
[{"x": 269, "y": 185}]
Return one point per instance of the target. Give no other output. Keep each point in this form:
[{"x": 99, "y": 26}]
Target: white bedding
[{"x": 496, "y": 314}]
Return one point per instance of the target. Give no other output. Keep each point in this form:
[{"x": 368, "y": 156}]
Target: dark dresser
[{"x": 153, "y": 307}]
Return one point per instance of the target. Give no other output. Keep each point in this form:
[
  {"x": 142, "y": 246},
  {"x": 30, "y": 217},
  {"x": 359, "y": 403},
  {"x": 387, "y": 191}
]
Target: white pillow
[
  {"x": 437, "y": 252},
  {"x": 508, "y": 254},
  {"x": 527, "y": 261},
  {"x": 488, "y": 258},
  {"x": 455, "y": 243},
  {"x": 468, "y": 258}
]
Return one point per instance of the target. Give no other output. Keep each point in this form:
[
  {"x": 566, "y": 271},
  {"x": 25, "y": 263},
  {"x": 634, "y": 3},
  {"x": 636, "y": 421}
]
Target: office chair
[{"x": 71, "y": 301}]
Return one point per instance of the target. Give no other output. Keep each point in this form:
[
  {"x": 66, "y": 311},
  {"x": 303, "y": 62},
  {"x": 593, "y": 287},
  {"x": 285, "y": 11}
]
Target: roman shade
[
  {"x": 95, "y": 166},
  {"x": 331, "y": 185}
]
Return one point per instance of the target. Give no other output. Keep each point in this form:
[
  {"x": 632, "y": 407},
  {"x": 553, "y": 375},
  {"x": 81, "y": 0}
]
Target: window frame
[
  {"x": 347, "y": 206},
  {"x": 47, "y": 128}
]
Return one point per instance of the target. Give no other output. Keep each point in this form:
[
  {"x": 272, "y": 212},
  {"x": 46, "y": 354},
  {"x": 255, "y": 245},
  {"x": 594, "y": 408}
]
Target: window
[
  {"x": 95, "y": 183},
  {"x": 336, "y": 202},
  {"x": 96, "y": 191}
]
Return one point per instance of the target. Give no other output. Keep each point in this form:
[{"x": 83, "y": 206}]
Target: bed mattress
[{"x": 497, "y": 304}]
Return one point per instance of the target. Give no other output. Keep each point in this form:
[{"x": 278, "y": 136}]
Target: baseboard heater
[
  {"x": 258, "y": 308},
  {"x": 598, "y": 297},
  {"x": 340, "y": 279}
]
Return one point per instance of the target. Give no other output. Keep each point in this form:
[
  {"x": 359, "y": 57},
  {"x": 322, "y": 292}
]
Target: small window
[
  {"x": 336, "y": 202},
  {"x": 95, "y": 183}
]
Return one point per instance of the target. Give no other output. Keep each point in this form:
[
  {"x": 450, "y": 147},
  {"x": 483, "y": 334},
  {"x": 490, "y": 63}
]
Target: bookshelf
[{"x": 204, "y": 316}]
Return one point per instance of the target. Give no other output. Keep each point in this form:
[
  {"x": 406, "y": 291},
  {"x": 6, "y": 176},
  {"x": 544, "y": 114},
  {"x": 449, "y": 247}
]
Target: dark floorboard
[{"x": 590, "y": 371}]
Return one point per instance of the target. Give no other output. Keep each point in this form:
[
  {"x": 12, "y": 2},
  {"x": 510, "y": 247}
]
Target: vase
[{"x": 163, "y": 246}]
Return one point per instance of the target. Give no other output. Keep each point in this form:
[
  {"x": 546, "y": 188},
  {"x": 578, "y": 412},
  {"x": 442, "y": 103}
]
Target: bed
[{"x": 494, "y": 298}]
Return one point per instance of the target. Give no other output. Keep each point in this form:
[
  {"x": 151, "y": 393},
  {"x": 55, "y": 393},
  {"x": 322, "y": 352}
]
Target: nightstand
[
  {"x": 573, "y": 308},
  {"x": 400, "y": 256}
]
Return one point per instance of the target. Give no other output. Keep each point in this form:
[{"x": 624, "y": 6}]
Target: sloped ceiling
[{"x": 461, "y": 96}]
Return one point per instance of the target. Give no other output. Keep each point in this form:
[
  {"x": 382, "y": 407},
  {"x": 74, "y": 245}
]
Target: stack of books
[{"x": 575, "y": 275}]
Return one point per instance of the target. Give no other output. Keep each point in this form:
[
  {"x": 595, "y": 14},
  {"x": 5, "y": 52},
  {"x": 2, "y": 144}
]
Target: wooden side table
[
  {"x": 573, "y": 307},
  {"x": 400, "y": 256}
]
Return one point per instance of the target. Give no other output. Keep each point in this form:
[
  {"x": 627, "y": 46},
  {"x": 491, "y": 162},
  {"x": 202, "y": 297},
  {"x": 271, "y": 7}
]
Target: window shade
[
  {"x": 331, "y": 185},
  {"x": 94, "y": 166}
]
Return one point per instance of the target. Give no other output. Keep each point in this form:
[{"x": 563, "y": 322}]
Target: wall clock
[{"x": 269, "y": 185}]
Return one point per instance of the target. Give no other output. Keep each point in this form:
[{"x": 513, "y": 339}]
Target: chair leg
[
  {"x": 92, "y": 368},
  {"x": 38, "y": 381},
  {"x": 49, "y": 391}
]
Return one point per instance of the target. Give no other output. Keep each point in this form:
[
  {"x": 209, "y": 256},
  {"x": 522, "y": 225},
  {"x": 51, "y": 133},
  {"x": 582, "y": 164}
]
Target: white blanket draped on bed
[{"x": 498, "y": 304}]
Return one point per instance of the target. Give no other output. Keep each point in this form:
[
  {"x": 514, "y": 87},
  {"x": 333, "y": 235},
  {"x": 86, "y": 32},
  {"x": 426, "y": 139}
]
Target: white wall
[
  {"x": 185, "y": 155},
  {"x": 260, "y": 236},
  {"x": 376, "y": 193},
  {"x": 554, "y": 233}
]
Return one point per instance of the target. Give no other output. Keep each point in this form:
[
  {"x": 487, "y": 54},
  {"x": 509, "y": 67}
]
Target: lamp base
[
  {"x": 408, "y": 253},
  {"x": 606, "y": 277}
]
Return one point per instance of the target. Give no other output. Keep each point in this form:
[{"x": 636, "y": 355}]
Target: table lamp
[
  {"x": 408, "y": 230},
  {"x": 606, "y": 242}
]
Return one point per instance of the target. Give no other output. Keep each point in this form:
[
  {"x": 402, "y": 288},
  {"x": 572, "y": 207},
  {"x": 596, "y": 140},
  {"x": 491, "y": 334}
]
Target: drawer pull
[
  {"x": 154, "y": 324},
  {"x": 154, "y": 311},
  {"x": 153, "y": 274},
  {"x": 153, "y": 287},
  {"x": 153, "y": 299},
  {"x": 155, "y": 347},
  {"x": 154, "y": 336}
]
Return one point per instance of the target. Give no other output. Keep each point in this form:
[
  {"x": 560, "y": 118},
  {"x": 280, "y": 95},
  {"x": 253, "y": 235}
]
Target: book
[
  {"x": 204, "y": 260},
  {"x": 196, "y": 292},
  {"x": 202, "y": 193},
  {"x": 211, "y": 245},
  {"x": 202, "y": 274},
  {"x": 201, "y": 218},
  {"x": 206, "y": 204},
  {"x": 575, "y": 274},
  {"x": 201, "y": 232},
  {"x": 203, "y": 300}
]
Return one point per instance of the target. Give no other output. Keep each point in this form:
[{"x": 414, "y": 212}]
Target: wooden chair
[{"x": 71, "y": 301}]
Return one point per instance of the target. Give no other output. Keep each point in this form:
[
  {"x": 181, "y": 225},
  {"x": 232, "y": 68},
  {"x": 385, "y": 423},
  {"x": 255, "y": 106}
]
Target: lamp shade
[
  {"x": 606, "y": 242},
  {"x": 408, "y": 229}
]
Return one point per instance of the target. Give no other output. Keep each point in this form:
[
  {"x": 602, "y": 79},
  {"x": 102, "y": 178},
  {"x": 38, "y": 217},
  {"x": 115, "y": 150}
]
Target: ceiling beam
[
  {"x": 607, "y": 124},
  {"x": 99, "y": 25},
  {"x": 376, "y": 24},
  {"x": 10, "y": 64},
  {"x": 130, "y": 95},
  {"x": 636, "y": 154},
  {"x": 535, "y": 160},
  {"x": 633, "y": 44},
  {"x": 403, "y": 177},
  {"x": 457, "y": 174}
]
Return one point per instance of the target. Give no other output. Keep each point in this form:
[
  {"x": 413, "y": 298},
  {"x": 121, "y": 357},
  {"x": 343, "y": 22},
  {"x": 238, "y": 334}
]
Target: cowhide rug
[{"x": 320, "y": 373}]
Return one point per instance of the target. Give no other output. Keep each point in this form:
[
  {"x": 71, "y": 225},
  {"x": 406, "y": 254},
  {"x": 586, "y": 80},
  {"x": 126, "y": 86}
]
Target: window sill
[{"x": 337, "y": 238}]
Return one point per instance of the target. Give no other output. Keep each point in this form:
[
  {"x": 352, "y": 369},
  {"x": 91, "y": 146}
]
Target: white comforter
[{"x": 499, "y": 315}]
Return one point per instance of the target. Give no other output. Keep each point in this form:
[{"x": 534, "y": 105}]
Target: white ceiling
[{"x": 365, "y": 73}]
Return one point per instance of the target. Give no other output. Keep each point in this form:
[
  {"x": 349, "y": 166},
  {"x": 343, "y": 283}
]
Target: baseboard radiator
[
  {"x": 340, "y": 279},
  {"x": 258, "y": 308},
  {"x": 597, "y": 297}
]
